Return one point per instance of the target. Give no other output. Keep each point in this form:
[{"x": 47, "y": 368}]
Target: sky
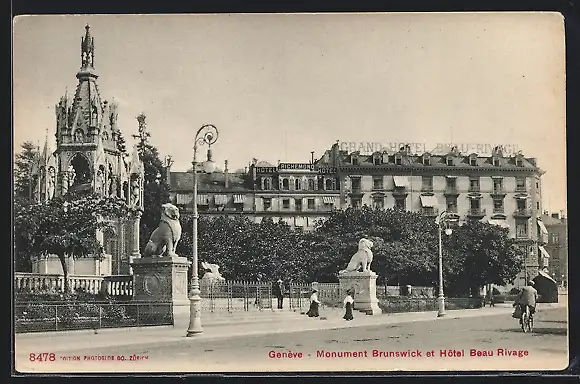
[{"x": 278, "y": 86}]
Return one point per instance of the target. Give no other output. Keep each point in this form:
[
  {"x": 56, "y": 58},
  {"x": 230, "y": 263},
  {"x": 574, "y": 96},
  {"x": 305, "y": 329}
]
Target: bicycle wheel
[
  {"x": 530, "y": 323},
  {"x": 524, "y": 322}
]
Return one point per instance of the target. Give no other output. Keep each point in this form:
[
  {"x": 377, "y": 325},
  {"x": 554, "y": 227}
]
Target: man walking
[{"x": 278, "y": 291}]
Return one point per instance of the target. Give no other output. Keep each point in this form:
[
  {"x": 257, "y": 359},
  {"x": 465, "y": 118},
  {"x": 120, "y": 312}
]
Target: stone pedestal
[
  {"x": 364, "y": 284},
  {"x": 161, "y": 280}
]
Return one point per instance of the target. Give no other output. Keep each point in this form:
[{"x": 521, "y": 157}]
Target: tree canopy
[
  {"x": 64, "y": 227},
  {"x": 22, "y": 166}
]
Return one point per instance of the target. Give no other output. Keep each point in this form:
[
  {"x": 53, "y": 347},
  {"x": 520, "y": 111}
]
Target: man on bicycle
[{"x": 528, "y": 297}]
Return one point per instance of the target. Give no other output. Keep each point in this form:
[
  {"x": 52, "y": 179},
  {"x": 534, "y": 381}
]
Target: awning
[
  {"x": 239, "y": 199},
  {"x": 202, "y": 200},
  {"x": 300, "y": 221},
  {"x": 401, "y": 181},
  {"x": 543, "y": 228},
  {"x": 221, "y": 199},
  {"x": 183, "y": 198},
  {"x": 428, "y": 201},
  {"x": 544, "y": 253},
  {"x": 501, "y": 223},
  {"x": 546, "y": 275},
  {"x": 329, "y": 199}
]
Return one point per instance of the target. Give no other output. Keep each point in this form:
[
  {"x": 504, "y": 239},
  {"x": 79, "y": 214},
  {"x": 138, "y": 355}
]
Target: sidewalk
[{"x": 77, "y": 340}]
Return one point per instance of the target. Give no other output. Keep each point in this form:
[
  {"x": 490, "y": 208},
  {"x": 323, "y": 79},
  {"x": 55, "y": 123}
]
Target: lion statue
[
  {"x": 214, "y": 274},
  {"x": 164, "y": 238},
  {"x": 362, "y": 258}
]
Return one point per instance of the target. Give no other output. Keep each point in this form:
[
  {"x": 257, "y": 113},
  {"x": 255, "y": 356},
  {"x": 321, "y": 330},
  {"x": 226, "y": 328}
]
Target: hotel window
[
  {"x": 285, "y": 185},
  {"x": 311, "y": 204},
  {"x": 452, "y": 204},
  {"x": 474, "y": 184},
  {"x": 400, "y": 204},
  {"x": 497, "y": 185},
  {"x": 426, "y": 160},
  {"x": 537, "y": 185},
  {"x": 427, "y": 183},
  {"x": 268, "y": 183},
  {"x": 355, "y": 202},
  {"x": 398, "y": 160},
  {"x": 298, "y": 184},
  {"x": 498, "y": 206},
  {"x": 474, "y": 205},
  {"x": 378, "y": 203},
  {"x": 285, "y": 203},
  {"x": 555, "y": 238},
  {"x": 519, "y": 161},
  {"x": 377, "y": 160},
  {"x": 520, "y": 184},
  {"x": 267, "y": 203},
  {"x": 538, "y": 205},
  {"x": 328, "y": 185},
  {"x": 298, "y": 204},
  {"x": 449, "y": 160},
  {"x": 521, "y": 205},
  {"x": 472, "y": 160},
  {"x": 354, "y": 160},
  {"x": 452, "y": 184},
  {"x": 522, "y": 229},
  {"x": 355, "y": 182},
  {"x": 310, "y": 185},
  {"x": 377, "y": 182},
  {"x": 495, "y": 161}
]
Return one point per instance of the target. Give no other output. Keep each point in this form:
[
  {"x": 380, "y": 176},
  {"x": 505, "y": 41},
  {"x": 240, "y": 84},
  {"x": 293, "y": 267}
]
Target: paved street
[{"x": 545, "y": 348}]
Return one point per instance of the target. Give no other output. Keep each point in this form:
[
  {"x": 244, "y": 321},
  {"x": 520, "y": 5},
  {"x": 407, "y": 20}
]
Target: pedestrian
[
  {"x": 279, "y": 293},
  {"x": 313, "y": 310},
  {"x": 348, "y": 305},
  {"x": 490, "y": 296}
]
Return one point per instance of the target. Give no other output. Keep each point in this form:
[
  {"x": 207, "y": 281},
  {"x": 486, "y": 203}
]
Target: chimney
[
  {"x": 555, "y": 215},
  {"x": 226, "y": 175},
  {"x": 312, "y": 157}
]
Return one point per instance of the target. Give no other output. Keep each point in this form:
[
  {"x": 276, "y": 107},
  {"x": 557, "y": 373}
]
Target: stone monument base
[
  {"x": 365, "y": 288},
  {"x": 159, "y": 281}
]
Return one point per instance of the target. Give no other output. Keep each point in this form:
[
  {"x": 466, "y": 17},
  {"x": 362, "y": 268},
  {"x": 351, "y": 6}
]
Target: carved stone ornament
[{"x": 152, "y": 285}]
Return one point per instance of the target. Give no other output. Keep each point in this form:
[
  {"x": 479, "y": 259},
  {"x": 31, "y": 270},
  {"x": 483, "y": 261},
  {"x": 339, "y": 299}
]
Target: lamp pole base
[
  {"x": 195, "y": 327},
  {"x": 441, "y": 305}
]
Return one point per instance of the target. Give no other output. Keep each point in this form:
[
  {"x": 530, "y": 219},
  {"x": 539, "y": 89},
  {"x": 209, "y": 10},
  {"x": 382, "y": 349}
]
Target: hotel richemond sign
[{"x": 365, "y": 147}]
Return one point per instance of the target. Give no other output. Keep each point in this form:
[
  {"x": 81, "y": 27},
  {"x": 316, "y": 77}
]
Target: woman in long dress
[
  {"x": 348, "y": 304},
  {"x": 313, "y": 310}
]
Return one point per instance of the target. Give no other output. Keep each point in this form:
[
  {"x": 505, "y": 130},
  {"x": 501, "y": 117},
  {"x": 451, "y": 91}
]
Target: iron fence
[
  {"x": 66, "y": 316},
  {"x": 233, "y": 296}
]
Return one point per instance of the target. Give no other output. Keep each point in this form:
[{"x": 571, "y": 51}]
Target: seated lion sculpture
[
  {"x": 164, "y": 238},
  {"x": 214, "y": 275},
  {"x": 362, "y": 258}
]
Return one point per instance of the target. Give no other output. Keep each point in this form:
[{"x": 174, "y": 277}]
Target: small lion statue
[
  {"x": 214, "y": 274},
  {"x": 165, "y": 237},
  {"x": 362, "y": 258}
]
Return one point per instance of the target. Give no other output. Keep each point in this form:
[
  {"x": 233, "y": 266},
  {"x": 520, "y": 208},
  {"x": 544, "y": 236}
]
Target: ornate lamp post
[
  {"x": 206, "y": 135},
  {"x": 442, "y": 220}
]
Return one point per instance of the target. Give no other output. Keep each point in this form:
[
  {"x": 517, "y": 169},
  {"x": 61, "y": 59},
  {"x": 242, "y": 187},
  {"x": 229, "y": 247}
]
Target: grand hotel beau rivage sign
[{"x": 419, "y": 148}]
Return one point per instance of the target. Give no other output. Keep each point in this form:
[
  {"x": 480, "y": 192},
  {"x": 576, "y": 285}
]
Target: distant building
[{"x": 557, "y": 246}]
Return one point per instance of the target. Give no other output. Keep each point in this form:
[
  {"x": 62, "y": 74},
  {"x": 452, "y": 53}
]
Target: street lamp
[
  {"x": 206, "y": 135},
  {"x": 442, "y": 218}
]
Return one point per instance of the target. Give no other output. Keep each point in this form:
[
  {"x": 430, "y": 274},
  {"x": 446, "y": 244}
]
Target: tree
[
  {"x": 22, "y": 167},
  {"x": 481, "y": 253},
  {"x": 156, "y": 191},
  {"x": 405, "y": 244},
  {"x": 49, "y": 228},
  {"x": 121, "y": 143}
]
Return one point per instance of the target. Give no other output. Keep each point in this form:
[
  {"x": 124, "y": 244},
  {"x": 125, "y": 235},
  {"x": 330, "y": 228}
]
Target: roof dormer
[
  {"x": 520, "y": 159},
  {"x": 377, "y": 158},
  {"x": 473, "y": 159},
  {"x": 354, "y": 158},
  {"x": 426, "y": 158}
]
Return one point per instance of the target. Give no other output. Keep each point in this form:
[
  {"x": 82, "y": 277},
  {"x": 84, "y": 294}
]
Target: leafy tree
[
  {"x": 49, "y": 228},
  {"x": 156, "y": 191},
  {"x": 22, "y": 167},
  {"x": 121, "y": 143},
  {"x": 482, "y": 253}
]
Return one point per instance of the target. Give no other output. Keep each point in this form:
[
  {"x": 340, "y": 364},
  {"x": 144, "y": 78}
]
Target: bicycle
[{"x": 527, "y": 320}]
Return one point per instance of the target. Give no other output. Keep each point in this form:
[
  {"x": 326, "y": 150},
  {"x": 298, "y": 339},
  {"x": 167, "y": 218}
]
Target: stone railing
[{"x": 35, "y": 282}]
